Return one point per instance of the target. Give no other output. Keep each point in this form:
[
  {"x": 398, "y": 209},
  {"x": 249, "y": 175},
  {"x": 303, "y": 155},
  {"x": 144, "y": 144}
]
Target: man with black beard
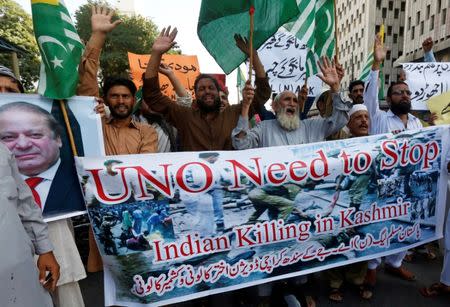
[
  {"x": 205, "y": 127},
  {"x": 395, "y": 120},
  {"x": 287, "y": 128},
  {"x": 356, "y": 91}
]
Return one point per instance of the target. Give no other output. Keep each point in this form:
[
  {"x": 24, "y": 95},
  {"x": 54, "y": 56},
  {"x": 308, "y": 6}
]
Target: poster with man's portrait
[{"x": 34, "y": 130}]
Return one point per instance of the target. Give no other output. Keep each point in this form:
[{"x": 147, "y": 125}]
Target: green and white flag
[
  {"x": 240, "y": 80},
  {"x": 315, "y": 27},
  {"x": 60, "y": 47},
  {"x": 219, "y": 20}
]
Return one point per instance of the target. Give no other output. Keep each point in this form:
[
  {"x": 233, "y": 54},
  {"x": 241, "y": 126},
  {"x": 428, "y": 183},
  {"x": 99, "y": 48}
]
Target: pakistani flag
[
  {"x": 60, "y": 48},
  {"x": 368, "y": 67},
  {"x": 218, "y": 21},
  {"x": 240, "y": 80},
  {"x": 315, "y": 27}
]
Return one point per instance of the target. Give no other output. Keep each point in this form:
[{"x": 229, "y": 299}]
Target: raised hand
[
  {"x": 164, "y": 41},
  {"x": 379, "y": 50},
  {"x": 329, "y": 74},
  {"x": 302, "y": 95},
  {"x": 242, "y": 44},
  {"x": 165, "y": 70},
  {"x": 101, "y": 20},
  {"x": 427, "y": 45},
  {"x": 247, "y": 94}
]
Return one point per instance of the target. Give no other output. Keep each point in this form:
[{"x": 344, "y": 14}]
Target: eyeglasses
[{"x": 402, "y": 92}]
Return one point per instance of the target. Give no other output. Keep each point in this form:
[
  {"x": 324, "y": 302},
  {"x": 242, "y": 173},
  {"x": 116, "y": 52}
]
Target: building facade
[
  {"x": 426, "y": 18},
  {"x": 358, "y": 21}
]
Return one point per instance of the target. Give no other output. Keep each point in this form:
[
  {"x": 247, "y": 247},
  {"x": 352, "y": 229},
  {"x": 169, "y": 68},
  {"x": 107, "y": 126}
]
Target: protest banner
[
  {"x": 426, "y": 80},
  {"x": 185, "y": 67},
  {"x": 178, "y": 226},
  {"x": 440, "y": 105},
  {"x": 284, "y": 58},
  {"x": 33, "y": 129}
]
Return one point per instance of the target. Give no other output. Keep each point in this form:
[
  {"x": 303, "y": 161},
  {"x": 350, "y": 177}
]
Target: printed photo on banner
[
  {"x": 426, "y": 80},
  {"x": 178, "y": 226},
  {"x": 185, "y": 67},
  {"x": 33, "y": 129}
]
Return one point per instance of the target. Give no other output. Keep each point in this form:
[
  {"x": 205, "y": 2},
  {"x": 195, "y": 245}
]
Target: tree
[
  {"x": 16, "y": 26},
  {"x": 135, "y": 34}
]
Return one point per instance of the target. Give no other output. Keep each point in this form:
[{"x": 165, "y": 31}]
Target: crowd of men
[{"x": 209, "y": 123}]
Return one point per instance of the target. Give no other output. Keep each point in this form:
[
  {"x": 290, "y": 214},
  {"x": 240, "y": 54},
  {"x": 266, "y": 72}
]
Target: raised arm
[
  {"x": 184, "y": 98},
  {"x": 101, "y": 25},
  {"x": 242, "y": 137},
  {"x": 339, "y": 118},
  {"x": 370, "y": 95},
  {"x": 151, "y": 90},
  {"x": 263, "y": 90},
  {"x": 427, "y": 46}
]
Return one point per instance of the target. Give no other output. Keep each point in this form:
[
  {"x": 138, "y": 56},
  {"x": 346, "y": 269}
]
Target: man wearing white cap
[{"x": 358, "y": 125}]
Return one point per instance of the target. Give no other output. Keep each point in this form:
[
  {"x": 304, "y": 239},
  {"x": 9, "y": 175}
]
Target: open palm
[
  {"x": 165, "y": 40},
  {"x": 101, "y": 19}
]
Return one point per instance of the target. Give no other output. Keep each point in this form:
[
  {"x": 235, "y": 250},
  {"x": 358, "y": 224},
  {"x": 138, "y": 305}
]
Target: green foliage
[
  {"x": 16, "y": 26},
  {"x": 135, "y": 34}
]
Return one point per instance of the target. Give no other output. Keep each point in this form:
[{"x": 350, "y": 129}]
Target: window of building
[
  {"x": 432, "y": 23},
  {"x": 409, "y": 23},
  {"x": 396, "y": 13},
  {"x": 421, "y": 28},
  {"x": 400, "y": 32},
  {"x": 400, "y": 53},
  {"x": 417, "y": 18},
  {"x": 438, "y": 7},
  {"x": 388, "y": 55},
  {"x": 444, "y": 16},
  {"x": 389, "y": 30},
  {"x": 395, "y": 38},
  {"x": 363, "y": 7},
  {"x": 391, "y": 5},
  {"x": 428, "y": 11},
  {"x": 402, "y": 6},
  {"x": 377, "y": 29},
  {"x": 378, "y": 4},
  {"x": 386, "y": 79},
  {"x": 412, "y": 33},
  {"x": 383, "y": 12}
]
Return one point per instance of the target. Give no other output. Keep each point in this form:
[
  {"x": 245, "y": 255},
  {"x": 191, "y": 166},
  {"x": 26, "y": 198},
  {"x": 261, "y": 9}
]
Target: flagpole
[
  {"x": 252, "y": 15},
  {"x": 69, "y": 129},
  {"x": 336, "y": 30}
]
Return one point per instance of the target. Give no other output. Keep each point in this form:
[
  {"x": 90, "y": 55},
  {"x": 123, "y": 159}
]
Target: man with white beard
[{"x": 287, "y": 128}]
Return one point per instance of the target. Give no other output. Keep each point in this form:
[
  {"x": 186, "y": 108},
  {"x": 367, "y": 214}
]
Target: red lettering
[
  {"x": 362, "y": 162},
  {"x": 322, "y": 159},
  {"x": 165, "y": 188},
  {"x": 435, "y": 149},
  {"x": 346, "y": 157},
  {"x": 102, "y": 195},
  {"x": 276, "y": 173},
  {"x": 255, "y": 177},
  {"x": 417, "y": 148},
  {"x": 404, "y": 150},
  {"x": 182, "y": 184},
  {"x": 390, "y": 152},
  {"x": 297, "y": 165}
]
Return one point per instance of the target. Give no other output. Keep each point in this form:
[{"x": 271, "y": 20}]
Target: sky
[{"x": 182, "y": 14}]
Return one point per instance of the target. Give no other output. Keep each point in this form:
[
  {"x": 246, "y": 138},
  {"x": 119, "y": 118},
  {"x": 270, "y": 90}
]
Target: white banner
[
  {"x": 426, "y": 80},
  {"x": 284, "y": 58}
]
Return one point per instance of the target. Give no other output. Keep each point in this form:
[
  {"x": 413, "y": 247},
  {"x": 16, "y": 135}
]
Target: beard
[
  {"x": 215, "y": 107},
  {"x": 288, "y": 122},
  {"x": 400, "y": 108},
  {"x": 120, "y": 115}
]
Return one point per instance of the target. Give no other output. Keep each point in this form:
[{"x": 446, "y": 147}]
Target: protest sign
[
  {"x": 178, "y": 226},
  {"x": 28, "y": 129},
  {"x": 185, "y": 67},
  {"x": 284, "y": 58},
  {"x": 426, "y": 80},
  {"x": 440, "y": 105}
]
